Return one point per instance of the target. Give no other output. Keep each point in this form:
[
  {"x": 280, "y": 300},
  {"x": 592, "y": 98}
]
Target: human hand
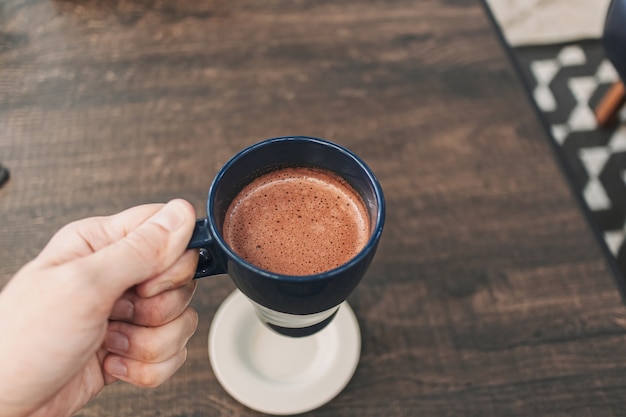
[{"x": 106, "y": 299}]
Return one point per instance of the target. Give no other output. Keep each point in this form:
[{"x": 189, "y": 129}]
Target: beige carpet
[{"x": 535, "y": 22}]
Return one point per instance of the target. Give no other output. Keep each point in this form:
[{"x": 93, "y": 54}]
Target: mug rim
[{"x": 370, "y": 245}]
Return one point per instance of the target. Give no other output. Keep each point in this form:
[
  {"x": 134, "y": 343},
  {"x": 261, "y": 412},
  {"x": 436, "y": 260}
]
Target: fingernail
[
  {"x": 116, "y": 341},
  {"x": 123, "y": 310},
  {"x": 171, "y": 216},
  {"x": 116, "y": 367}
]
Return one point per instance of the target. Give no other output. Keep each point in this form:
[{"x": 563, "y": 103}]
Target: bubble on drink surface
[{"x": 297, "y": 221}]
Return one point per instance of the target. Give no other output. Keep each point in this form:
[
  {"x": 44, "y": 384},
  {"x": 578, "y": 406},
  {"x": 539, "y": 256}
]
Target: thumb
[{"x": 150, "y": 249}]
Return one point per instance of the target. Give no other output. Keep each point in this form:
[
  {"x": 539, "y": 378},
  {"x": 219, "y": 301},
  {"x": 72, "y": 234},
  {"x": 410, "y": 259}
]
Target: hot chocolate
[{"x": 297, "y": 221}]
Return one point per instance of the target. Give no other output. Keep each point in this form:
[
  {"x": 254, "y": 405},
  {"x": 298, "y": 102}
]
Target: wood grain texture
[{"x": 489, "y": 295}]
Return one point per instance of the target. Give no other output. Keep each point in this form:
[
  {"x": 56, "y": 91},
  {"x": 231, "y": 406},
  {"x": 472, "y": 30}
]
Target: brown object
[
  {"x": 489, "y": 295},
  {"x": 297, "y": 221},
  {"x": 608, "y": 108}
]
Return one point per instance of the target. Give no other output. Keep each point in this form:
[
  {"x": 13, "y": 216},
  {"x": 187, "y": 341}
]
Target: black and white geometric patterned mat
[{"x": 567, "y": 82}]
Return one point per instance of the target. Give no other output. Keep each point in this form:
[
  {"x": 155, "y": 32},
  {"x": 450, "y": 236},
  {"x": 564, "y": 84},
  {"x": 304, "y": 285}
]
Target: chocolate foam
[{"x": 297, "y": 221}]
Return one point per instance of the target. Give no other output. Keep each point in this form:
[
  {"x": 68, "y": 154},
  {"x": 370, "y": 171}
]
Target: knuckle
[
  {"x": 78, "y": 226},
  {"x": 152, "y": 375},
  {"x": 148, "y": 376},
  {"x": 148, "y": 352},
  {"x": 184, "y": 269},
  {"x": 193, "y": 319},
  {"x": 154, "y": 314},
  {"x": 144, "y": 345}
]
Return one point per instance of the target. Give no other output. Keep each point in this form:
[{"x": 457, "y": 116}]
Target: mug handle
[{"x": 201, "y": 239}]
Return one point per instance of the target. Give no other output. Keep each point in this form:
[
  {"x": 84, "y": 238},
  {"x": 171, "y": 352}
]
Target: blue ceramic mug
[{"x": 291, "y": 305}]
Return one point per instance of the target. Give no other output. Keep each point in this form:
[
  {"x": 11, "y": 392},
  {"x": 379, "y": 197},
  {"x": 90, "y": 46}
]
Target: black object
[
  {"x": 4, "y": 175},
  {"x": 614, "y": 36}
]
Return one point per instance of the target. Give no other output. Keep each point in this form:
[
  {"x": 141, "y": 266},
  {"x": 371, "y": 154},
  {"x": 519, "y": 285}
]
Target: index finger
[
  {"x": 86, "y": 236},
  {"x": 144, "y": 253}
]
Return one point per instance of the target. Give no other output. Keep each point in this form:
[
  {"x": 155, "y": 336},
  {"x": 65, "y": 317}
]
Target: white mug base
[{"x": 280, "y": 375}]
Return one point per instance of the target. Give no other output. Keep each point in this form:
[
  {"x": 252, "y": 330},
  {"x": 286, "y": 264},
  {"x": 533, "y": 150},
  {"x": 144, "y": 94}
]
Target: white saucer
[{"x": 276, "y": 374}]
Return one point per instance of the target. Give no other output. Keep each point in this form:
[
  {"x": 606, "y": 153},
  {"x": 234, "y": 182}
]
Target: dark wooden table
[{"x": 489, "y": 295}]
